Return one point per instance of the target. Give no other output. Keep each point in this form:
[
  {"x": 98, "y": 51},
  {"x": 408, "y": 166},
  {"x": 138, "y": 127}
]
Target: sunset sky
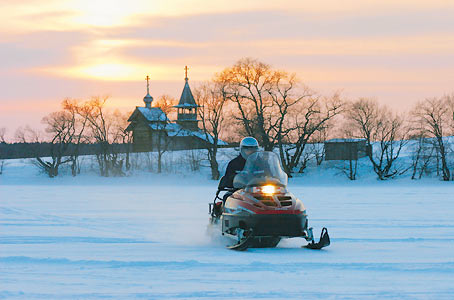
[{"x": 396, "y": 51}]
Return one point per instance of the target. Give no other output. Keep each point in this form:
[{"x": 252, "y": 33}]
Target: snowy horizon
[{"x": 145, "y": 237}]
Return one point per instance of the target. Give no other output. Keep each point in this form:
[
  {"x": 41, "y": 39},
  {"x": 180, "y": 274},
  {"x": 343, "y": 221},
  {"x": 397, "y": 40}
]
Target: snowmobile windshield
[{"x": 261, "y": 168}]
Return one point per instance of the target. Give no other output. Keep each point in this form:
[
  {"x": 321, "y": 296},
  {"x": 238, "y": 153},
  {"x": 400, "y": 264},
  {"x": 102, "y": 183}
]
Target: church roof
[
  {"x": 186, "y": 99},
  {"x": 152, "y": 114},
  {"x": 174, "y": 129}
]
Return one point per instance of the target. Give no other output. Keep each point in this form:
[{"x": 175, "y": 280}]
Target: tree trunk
[
  {"x": 353, "y": 168},
  {"x": 444, "y": 165},
  {"x": 159, "y": 162},
  {"x": 214, "y": 170},
  {"x": 128, "y": 163}
]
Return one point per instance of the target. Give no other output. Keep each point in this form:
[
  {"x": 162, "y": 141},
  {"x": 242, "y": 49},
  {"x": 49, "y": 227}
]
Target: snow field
[{"x": 144, "y": 237}]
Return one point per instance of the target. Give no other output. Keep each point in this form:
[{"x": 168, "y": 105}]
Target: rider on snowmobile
[{"x": 248, "y": 146}]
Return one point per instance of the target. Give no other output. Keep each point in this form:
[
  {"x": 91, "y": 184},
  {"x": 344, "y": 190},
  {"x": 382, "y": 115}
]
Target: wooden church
[{"x": 152, "y": 130}]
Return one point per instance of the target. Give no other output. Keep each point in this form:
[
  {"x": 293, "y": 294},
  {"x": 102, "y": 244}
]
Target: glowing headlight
[{"x": 268, "y": 189}]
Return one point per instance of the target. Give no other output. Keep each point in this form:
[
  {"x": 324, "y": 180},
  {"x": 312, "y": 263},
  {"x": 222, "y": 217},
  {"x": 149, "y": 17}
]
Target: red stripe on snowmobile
[{"x": 279, "y": 212}]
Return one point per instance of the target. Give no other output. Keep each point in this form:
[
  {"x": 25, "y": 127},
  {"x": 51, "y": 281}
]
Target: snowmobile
[{"x": 259, "y": 211}]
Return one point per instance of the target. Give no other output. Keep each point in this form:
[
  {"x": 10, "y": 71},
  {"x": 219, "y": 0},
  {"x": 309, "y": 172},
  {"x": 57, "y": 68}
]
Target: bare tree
[
  {"x": 165, "y": 103},
  {"x": 20, "y": 135},
  {"x": 212, "y": 98},
  {"x": 160, "y": 140},
  {"x": 120, "y": 135},
  {"x": 101, "y": 125},
  {"x": 422, "y": 147},
  {"x": 2, "y": 135},
  {"x": 307, "y": 118},
  {"x": 373, "y": 123},
  {"x": 60, "y": 127},
  {"x": 450, "y": 102},
  {"x": 232, "y": 131},
  {"x": 79, "y": 115},
  {"x": 316, "y": 146},
  {"x": 277, "y": 109},
  {"x": 27, "y": 135},
  {"x": 194, "y": 157},
  {"x": 349, "y": 168},
  {"x": 262, "y": 96},
  {"x": 2, "y": 141},
  {"x": 436, "y": 115},
  {"x": 423, "y": 150}
]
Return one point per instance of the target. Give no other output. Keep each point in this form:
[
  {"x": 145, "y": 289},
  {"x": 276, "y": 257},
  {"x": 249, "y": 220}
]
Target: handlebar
[{"x": 223, "y": 189}]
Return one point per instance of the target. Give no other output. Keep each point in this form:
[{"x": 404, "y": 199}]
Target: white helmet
[{"x": 248, "y": 146}]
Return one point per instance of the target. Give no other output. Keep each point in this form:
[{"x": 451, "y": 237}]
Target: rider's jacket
[{"x": 236, "y": 164}]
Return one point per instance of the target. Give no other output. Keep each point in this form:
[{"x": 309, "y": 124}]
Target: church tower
[{"x": 187, "y": 107}]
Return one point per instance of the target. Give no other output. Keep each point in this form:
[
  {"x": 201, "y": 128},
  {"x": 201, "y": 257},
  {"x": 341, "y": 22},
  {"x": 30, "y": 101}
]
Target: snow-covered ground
[{"x": 144, "y": 237}]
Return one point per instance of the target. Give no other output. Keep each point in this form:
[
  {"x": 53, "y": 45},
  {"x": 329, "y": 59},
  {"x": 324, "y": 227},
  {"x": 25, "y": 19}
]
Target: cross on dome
[
  {"x": 148, "y": 99},
  {"x": 148, "y": 84},
  {"x": 186, "y": 73}
]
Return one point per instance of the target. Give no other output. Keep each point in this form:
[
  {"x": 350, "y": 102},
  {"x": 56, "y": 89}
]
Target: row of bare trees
[
  {"x": 87, "y": 122},
  {"x": 77, "y": 123},
  {"x": 252, "y": 99},
  {"x": 84, "y": 122}
]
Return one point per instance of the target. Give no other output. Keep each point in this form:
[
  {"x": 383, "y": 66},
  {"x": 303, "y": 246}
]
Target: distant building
[
  {"x": 187, "y": 109},
  {"x": 345, "y": 149},
  {"x": 152, "y": 129}
]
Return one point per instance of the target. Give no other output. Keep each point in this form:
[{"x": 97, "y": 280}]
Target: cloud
[
  {"x": 259, "y": 25},
  {"x": 214, "y": 40},
  {"x": 37, "y": 49}
]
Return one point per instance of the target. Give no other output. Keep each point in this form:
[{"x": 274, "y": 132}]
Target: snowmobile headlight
[{"x": 268, "y": 189}]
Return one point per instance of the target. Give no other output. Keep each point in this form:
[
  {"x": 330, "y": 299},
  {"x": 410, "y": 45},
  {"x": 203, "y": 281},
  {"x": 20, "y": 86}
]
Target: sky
[{"x": 398, "y": 52}]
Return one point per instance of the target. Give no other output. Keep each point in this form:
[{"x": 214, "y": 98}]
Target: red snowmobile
[{"x": 259, "y": 211}]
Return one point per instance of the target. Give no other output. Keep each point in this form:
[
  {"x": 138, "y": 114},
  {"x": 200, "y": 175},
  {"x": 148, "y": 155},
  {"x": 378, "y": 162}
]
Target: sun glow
[
  {"x": 108, "y": 71},
  {"x": 105, "y": 12},
  {"x": 104, "y": 71},
  {"x": 119, "y": 71}
]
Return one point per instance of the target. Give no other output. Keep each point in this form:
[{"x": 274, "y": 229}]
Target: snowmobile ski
[
  {"x": 243, "y": 242},
  {"x": 324, "y": 241}
]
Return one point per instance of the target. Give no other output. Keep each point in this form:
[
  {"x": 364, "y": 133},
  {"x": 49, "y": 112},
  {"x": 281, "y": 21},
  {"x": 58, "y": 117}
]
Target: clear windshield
[{"x": 261, "y": 168}]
